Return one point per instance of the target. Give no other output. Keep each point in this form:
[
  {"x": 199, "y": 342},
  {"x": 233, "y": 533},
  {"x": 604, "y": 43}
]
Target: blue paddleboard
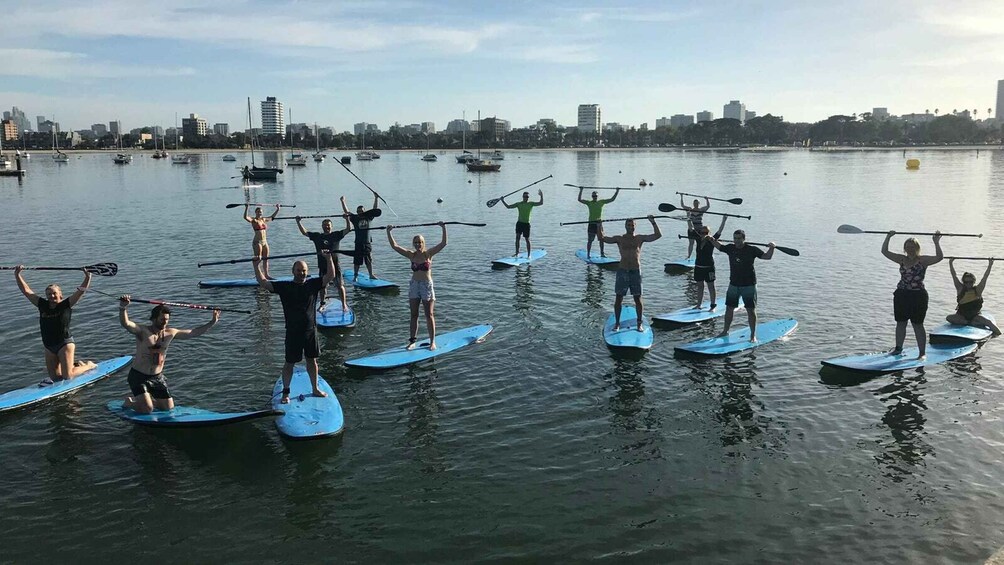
[
  {"x": 887, "y": 362},
  {"x": 400, "y": 356},
  {"x": 331, "y": 315},
  {"x": 739, "y": 340},
  {"x": 682, "y": 264},
  {"x": 628, "y": 335},
  {"x": 186, "y": 416},
  {"x": 520, "y": 259},
  {"x": 34, "y": 393},
  {"x": 364, "y": 281},
  {"x": 693, "y": 315},
  {"x": 307, "y": 416},
  {"x": 595, "y": 258},
  {"x": 951, "y": 332},
  {"x": 231, "y": 283}
]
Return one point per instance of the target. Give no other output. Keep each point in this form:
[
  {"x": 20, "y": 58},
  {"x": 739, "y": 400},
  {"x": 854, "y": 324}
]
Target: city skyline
[{"x": 405, "y": 61}]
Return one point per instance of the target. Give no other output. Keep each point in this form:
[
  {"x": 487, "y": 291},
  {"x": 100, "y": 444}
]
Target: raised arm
[
  {"x": 655, "y": 227},
  {"x": 721, "y": 228},
  {"x": 986, "y": 275},
  {"x": 345, "y": 208},
  {"x": 714, "y": 241},
  {"x": 541, "y": 193},
  {"x": 246, "y": 217},
  {"x": 580, "y": 195},
  {"x": 770, "y": 252},
  {"x": 23, "y": 285},
  {"x": 274, "y": 214},
  {"x": 707, "y": 204},
  {"x": 393, "y": 244},
  {"x": 894, "y": 257},
  {"x": 939, "y": 254},
  {"x": 603, "y": 237},
  {"x": 76, "y": 296},
  {"x": 955, "y": 276},
  {"x": 506, "y": 204},
  {"x": 376, "y": 201},
  {"x": 614, "y": 197},
  {"x": 300, "y": 225},
  {"x": 196, "y": 332},
  {"x": 442, "y": 244},
  {"x": 260, "y": 277},
  {"x": 124, "y": 316}
]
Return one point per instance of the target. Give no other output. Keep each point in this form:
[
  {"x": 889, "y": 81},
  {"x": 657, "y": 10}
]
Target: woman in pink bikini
[
  {"x": 259, "y": 245},
  {"x": 420, "y": 288}
]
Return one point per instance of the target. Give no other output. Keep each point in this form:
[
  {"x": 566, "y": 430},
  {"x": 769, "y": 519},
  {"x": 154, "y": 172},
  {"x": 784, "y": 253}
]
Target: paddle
[
  {"x": 338, "y": 215},
  {"x": 491, "y": 203},
  {"x": 786, "y": 250},
  {"x": 604, "y": 187},
  {"x": 847, "y": 228},
  {"x": 970, "y": 258},
  {"x": 254, "y": 204},
  {"x": 664, "y": 207},
  {"x": 344, "y": 166},
  {"x": 100, "y": 269},
  {"x": 234, "y": 261},
  {"x": 615, "y": 220},
  {"x": 178, "y": 304},
  {"x": 432, "y": 224},
  {"x": 729, "y": 200}
]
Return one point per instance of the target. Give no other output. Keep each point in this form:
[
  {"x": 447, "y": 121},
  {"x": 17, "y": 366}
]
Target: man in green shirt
[
  {"x": 523, "y": 221},
  {"x": 595, "y": 215}
]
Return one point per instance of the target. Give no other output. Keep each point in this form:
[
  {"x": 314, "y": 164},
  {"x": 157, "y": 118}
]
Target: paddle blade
[
  {"x": 735, "y": 200},
  {"x": 233, "y": 205},
  {"x": 788, "y": 251},
  {"x": 103, "y": 269},
  {"x": 491, "y": 203},
  {"x": 664, "y": 207},
  {"x": 847, "y": 228}
]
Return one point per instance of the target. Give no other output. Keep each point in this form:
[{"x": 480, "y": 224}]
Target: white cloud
[{"x": 66, "y": 65}]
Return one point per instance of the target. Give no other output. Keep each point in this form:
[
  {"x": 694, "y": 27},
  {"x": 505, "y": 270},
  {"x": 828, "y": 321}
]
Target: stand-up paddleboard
[
  {"x": 231, "y": 283},
  {"x": 739, "y": 340},
  {"x": 401, "y": 356},
  {"x": 364, "y": 281},
  {"x": 307, "y": 416},
  {"x": 951, "y": 332},
  {"x": 887, "y": 362},
  {"x": 520, "y": 259},
  {"x": 627, "y": 335},
  {"x": 682, "y": 264},
  {"x": 33, "y": 394},
  {"x": 186, "y": 416},
  {"x": 595, "y": 258},
  {"x": 331, "y": 315},
  {"x": 693, "y": 315}
]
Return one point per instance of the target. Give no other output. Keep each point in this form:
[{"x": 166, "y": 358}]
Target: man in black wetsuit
[
  {"x": 327, "y": 239},
  {"x": 364, "y": 243},
  {"x": 299, "y": 301}
]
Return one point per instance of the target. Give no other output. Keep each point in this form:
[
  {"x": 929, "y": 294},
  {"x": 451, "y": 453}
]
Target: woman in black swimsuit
[
  {"x": 970, "y": 300},
  {"x": 910, "y": 299}
]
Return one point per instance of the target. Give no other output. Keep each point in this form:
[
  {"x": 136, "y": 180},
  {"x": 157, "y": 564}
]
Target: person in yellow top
[
  {"x": 523, "y": 221},
  {"x": 595, "y": 206},
  {"x": 970, "y": 299}
]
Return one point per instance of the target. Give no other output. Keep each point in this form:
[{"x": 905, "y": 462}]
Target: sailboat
[
  {"x": 318, "y": 156},
  {"x": 121, "y": 158},
  {"x": 295, "y": 159},
  {"x": 5, "y": 161},
  {"x": 480, "y": 165},
  {"x": 156, "y": 151},
  {"x": 58, "y": 156},
  {"x": 429, "y": 155},
  {"x": 363, "y": 154},
  {"x": 253, "y": 172},
  {"x": 466, "y": 156},
  {"x": 179, "y": 158}
]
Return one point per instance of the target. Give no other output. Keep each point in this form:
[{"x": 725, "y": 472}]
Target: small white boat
[
  {"x": 429, "y": 157},
  {"x": 496, "y": 155},
  {"x": 5, "y": 161},
  {"x": 61, "y": 157},
  {"x": 318, "y": 157},
  {"x": 182, "y": 159},
  {"x": 296, "y": 159},
  {"x": 364, "y": 156},
  {"x": 122, "y": 159},
  {"x": 229, "y": 158}
]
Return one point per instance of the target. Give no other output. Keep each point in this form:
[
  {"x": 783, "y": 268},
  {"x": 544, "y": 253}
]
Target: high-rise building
[
  {"x": 193, "y": 126},
  {"x": 457, "y": 126},
  {"x": 115, "y": 128},
  {"x": 222, "y": 129},
  {"x": 589, "y": 118},
  {"x": 681, "y": 120},
  {"x": 548, "y": 124},
  {"x": 493, "y": 128},
  {"x": 880, "y": 113},
  {"x": 428, "y": 127},
  {"x": 100, "y": 130},
  {"x": 20, "y": 120},
  {"x": 9, "y": 128},
  {"x": 359, "y": 128},
  {"x": 735, "y": 110},
  {"x": 372, "y": 128},
  {"x": 662, "y": 122},
  {"x": 750, "y": 114},
  {"x": 272, "y": 120},
  {"x": 47, "y": 126},
  {"x": 705, "y": 116},
  {"x": 38, "y": 121},
  {"x": 1000, "y": 100}
]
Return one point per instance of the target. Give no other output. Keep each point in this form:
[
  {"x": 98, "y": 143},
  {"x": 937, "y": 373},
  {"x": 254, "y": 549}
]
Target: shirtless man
[
  {"x": 629, "y": 272},
  {"x": 146, "y": 379}
]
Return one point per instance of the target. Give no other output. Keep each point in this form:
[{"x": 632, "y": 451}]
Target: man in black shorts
[
  {"x": 146, "y": 373},
  {"x": 299, "y": 301},
  {"x": 327, "y": 239},
  {"x": 742, "y": 278},
  {"x": 704, "y": 265},
  {"x": 364, "y": 243},
  {"x": 524, "y": 209}
]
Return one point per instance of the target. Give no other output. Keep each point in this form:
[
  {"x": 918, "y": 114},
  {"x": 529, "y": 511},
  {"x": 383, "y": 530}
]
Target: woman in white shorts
[{"x": 420, "y": 288}]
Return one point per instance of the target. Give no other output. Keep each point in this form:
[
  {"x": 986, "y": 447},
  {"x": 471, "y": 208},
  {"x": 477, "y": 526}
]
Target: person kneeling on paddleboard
[
  {"x": 146, "y": 373},
  {"x": 695, "y": 221},
  {"x": 420, "y": 288},
  {"x": 909, "y": 301},
  {"x": 54, "y": 324},
  {"x": 299, "y": 300},
  {"x": 704, "y": 265},
  {"x": 595, "y": 206},
  {"x": 523, "y": 220},
  {"x": 742, "y": 278},
  {"x": 629, "y": 269},
  {"x": 970, "y": 300},
  {"x": 327, "y": 239},
  {"x": 364, "y": 242}
]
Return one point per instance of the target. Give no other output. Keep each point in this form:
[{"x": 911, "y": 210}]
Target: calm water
[{"x": 538, "y": 444}]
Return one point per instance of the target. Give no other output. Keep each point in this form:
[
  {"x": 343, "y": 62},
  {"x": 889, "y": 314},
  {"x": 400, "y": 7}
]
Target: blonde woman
[
  {"x": 420, "y": 289},
  {"x": 910, "y": 297},
  {"x": 259, "y": 245}
]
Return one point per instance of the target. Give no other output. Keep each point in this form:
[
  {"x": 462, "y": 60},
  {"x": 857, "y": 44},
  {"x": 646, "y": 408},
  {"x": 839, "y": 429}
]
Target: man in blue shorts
[{"x": 742, "y": 278}]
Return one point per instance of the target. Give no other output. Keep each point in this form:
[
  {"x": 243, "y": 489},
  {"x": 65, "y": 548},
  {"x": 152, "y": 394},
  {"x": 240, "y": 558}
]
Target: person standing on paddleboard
[
  {"x": 54, "y": 315},
  {"x": 259, "y": 245},
  {"x": 420, "y": 289},
  {"x": 629, "y": 269},
  {"x": 695, "y": 221},
  {"x": 909, "y": 302},
  {"x": 595, "y": 206},
  {"x": 704, "y": 264},
  {"x": 299, "y": 301},
  {"x": 523, "y": 220},
  {"x": 742, "y": 278},
  {"x": 364, "y": 243},
  {"x": 146, "y": 373},
  {"x": 970, "y": 299},
  {"x": 327, "y": 239}
]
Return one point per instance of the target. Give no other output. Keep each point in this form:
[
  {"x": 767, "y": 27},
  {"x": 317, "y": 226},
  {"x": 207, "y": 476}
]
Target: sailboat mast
[{"x": 251, "y": 131}]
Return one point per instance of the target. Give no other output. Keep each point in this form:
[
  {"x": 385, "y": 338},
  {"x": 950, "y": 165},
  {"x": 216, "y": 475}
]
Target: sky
[{"x": 410, "y": 61}]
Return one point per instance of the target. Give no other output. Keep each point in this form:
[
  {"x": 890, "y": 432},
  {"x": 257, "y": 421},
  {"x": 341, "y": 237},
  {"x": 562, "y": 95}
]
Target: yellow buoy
[{"x": 913, "y": 164}]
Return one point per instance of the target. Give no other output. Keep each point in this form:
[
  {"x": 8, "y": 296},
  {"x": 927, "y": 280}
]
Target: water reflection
[
  {"x": 523, "y": 299},
  {"x": 424, "y": 410},
  {"x": 593, "y": 293},
  {"x": 905, "y": 419},
  {"x": 632, "y": 414}
]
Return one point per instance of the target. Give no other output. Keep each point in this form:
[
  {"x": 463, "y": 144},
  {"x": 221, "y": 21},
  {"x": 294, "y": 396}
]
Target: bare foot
[
  {"x": 128, "y": 402},
  {"x": 698, "y": 307},
  {"x": 922, "y": 357},
  {"x": 896, "y": 351},
  {"x": 411, "y": 345},
  {"x": 616, "y": 327},
  {"x": 320, "y": 393},
  {"x": 640, "y": 327},
  {"x": 753, "y": 339},
  {"x": 724, "y": 333},
  {"x": 284, "y": 399},
  {"x": 713, "y": 306},
  {"x": 432, "y": 346}
]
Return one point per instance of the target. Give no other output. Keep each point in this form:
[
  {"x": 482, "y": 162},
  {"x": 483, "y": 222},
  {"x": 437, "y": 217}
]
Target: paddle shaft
[
  {"x": 375, "y": 193},
  {"x": 291, "y": 255},
  {"x": 178, "y": 304},
  {"x": 665, "y": 207},
  {"x": 101, "y": 269},
  {"x": 969, "y": 258},
  {"x": 614, "y": 220},
  {"x": 925, "y": 233},
  {"x": 432, "y": 224},
  {"x": 729, "y": 200},
  {"x": 249, "y": 204},
  {"x": 604, "y": 187},
  {"x": 491, "y": 203},
  {"x": 339, "y": 215}
]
